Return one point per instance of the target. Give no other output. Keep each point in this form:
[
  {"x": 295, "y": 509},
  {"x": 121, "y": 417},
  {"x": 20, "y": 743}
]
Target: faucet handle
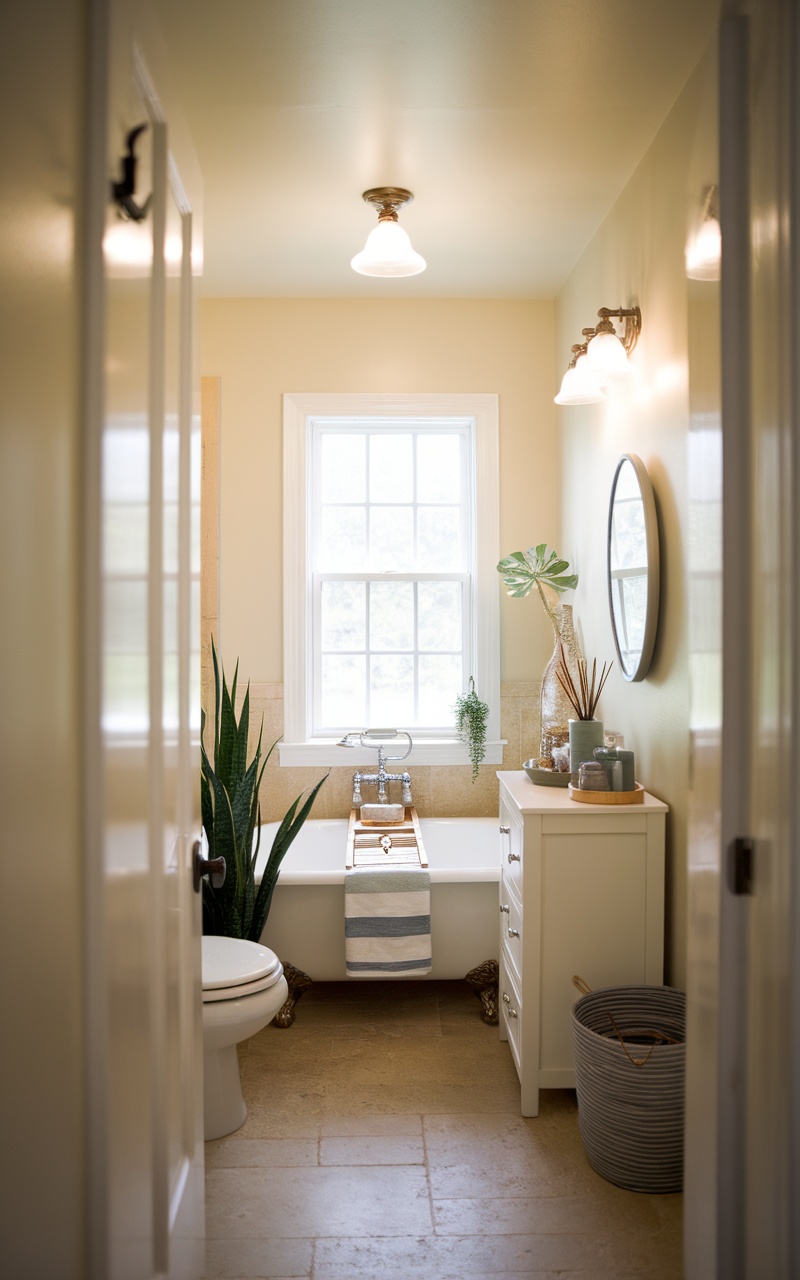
[
  {"x": 356, "y": 792},
  {"x": 407, "y": 791}
]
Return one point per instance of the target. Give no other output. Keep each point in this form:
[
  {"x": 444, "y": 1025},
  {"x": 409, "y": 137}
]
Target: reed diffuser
[{"x": 585, "y": 732}]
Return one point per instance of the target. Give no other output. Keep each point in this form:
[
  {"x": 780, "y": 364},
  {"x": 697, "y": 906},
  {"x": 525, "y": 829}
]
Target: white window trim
[{"x": 299, "y": 410}]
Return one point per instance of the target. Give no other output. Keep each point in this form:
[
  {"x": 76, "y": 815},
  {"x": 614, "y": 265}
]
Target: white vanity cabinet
[{"x": 581, "y": 892}]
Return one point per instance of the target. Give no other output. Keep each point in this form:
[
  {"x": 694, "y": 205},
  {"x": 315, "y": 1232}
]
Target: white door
[
  {"x": 147, "y": 1115},
  {"x": 743, "y": 1050}
]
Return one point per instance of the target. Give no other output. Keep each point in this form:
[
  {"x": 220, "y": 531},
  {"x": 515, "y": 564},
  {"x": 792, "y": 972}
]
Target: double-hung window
[{"x": 390, "y": 553}]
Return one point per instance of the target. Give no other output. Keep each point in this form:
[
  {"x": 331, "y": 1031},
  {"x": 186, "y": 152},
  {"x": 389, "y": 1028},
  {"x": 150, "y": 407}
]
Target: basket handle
[
  {"x": 659, "y": 1037},
  {"x": 582, "y": 986}
]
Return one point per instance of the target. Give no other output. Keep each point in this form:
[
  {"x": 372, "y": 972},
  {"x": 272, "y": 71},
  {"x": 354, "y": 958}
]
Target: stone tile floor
[{"x": 384, "y": 1142}]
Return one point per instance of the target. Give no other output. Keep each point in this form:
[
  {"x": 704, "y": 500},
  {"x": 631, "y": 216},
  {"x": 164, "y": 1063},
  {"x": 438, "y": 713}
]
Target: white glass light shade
[
  {"x": 704, "y": 252},
  {"x": 579, "y": 385},
  {"x": 388, "y": 252},
  {"x": 608, "y": 359}
]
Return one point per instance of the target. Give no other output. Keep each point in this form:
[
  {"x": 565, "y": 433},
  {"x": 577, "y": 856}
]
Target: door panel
[{"x": 153, "y": 1118}]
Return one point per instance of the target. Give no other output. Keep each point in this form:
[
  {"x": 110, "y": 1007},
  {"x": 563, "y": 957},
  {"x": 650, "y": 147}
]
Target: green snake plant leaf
[
  {"x": 231, "y": 809},
  {"x": 284, "y": 836}
]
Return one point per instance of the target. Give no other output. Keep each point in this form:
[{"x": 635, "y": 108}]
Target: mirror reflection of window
[{"x": 632, "y": 572}]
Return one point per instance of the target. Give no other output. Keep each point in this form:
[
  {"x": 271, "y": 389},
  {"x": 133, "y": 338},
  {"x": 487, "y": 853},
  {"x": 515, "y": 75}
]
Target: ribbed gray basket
[{"x": 631, "y": 1117}]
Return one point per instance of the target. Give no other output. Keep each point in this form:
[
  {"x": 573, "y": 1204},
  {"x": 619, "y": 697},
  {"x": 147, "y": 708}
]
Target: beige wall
[
  {"x": 261, "y": 348},
  {"x": 637, "y": 256}
]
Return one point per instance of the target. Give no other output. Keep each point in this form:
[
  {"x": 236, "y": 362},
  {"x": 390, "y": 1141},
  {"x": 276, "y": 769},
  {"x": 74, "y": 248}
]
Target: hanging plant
[{"x": 472, "y": 717}]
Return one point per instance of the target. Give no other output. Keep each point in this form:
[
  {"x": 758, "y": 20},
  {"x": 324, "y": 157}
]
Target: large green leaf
[{"x": 523, "y": 570}]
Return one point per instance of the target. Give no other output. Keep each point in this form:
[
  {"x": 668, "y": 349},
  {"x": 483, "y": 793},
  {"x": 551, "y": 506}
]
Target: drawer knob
[
  {"x": 506, "y": 998},
  {"x": 512, "y": 1013},
  {"x": 513, "y": 857},
  {"x": 505, "y": 831},
  {"x": 513, "y": 933},
  {"x": 505, "y": 908}
]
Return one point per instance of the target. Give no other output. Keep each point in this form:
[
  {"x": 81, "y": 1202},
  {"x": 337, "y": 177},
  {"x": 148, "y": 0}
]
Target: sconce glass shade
[
  {"x": 608, "y": 359},
  {"x": 704, "y": 252},
  {"x": 579, "y": 385},
  {"x": 388, "y": 252}
]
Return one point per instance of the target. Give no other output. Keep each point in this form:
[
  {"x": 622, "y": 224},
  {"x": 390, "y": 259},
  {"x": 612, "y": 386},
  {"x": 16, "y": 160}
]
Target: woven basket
[{"x": 630, "y": 1090}]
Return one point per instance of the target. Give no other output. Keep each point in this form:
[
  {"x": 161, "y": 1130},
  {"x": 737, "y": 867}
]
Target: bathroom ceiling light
[
  {"x": 607, "y": 351},
  {"x": 388, "y": 250},
  {"x": 704, "y": 250},
  {"x": 579, "y": 385}
]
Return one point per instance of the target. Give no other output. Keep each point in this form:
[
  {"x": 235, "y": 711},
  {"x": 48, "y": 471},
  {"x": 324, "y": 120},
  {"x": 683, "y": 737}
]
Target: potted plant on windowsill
[{"x": 472, "y": 716}]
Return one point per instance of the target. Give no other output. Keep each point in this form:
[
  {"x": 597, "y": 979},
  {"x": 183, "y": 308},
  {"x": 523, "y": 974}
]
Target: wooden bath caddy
[
  {"x": 404, "y": 847},
  {"x": 608, "y": 797}
]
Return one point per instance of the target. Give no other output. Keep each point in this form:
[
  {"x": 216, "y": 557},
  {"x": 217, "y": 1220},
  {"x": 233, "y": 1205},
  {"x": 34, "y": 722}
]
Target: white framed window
[{"x": 390, "y": 582}]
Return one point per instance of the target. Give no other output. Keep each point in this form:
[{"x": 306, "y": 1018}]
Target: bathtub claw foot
[
  {"x": 484, "y": 980},
  {"x": 298, "y": 983}
]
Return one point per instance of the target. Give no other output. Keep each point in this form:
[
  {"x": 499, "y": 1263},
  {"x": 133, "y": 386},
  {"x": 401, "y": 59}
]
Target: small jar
[{"x": 592, "y": 776}]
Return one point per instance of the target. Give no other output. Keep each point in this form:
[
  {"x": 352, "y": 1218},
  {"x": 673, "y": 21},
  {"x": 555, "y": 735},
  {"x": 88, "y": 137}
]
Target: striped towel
[{"x": 387, "y": 922}]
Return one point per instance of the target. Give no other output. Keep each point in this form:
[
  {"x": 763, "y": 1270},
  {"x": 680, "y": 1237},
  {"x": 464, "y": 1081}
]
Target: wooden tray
[
  {"x": 411, "y": 850},
  {"x": 608, "y": 797}
]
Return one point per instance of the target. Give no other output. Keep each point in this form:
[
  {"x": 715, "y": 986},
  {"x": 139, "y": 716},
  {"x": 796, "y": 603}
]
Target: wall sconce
[
  {"x": 602, "y": 358},
  {"x": 607, "y": 353},
  {"x": 704, "y": 250},
  {"x": 388, "y": 250},
  {"x": 579, "y": 385}
]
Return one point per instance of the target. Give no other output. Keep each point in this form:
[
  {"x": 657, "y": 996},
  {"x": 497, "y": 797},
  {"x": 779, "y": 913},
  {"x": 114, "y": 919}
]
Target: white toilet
[{"x": 243, "y": 989}]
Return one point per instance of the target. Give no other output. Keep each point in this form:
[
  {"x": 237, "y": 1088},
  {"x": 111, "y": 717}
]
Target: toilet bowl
[{"x": 243, "y": 989}]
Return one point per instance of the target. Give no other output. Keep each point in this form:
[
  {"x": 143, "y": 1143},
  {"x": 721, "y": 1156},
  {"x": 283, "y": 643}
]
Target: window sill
[{"x": 424, "y": 752}]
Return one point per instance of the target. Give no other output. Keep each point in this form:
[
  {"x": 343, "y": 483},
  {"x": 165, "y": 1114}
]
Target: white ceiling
[{"x": 516, "y": 123}]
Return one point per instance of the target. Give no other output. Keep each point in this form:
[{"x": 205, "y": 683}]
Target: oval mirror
[{"x": 633, "y": 566}]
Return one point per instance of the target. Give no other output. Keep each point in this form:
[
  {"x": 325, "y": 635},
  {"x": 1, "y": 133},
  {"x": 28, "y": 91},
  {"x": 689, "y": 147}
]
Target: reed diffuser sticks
[{"x": 585, "y": 696}]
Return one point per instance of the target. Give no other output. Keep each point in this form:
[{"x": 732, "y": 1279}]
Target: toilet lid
[{"x": 235, "y": 962}]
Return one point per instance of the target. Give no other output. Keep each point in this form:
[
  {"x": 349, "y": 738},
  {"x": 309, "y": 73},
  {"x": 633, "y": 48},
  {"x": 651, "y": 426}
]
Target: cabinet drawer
[
  {"x": 511, "y": 1005},
  {"x": 511, "y": 932},
  {"x": 511, "y": 849}
]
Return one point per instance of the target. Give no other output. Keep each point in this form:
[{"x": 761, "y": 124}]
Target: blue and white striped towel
[{"x": 387, "y": 922}]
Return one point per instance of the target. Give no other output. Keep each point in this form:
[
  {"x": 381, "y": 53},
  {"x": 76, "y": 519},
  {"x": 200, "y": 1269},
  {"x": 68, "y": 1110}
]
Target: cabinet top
[{"x": 529, "y": 798}]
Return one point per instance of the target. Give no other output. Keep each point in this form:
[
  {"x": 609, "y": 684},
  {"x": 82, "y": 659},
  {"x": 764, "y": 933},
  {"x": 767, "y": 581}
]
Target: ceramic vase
[
  {"x": 555, "y": 706},
  {"x": 584, "y": 736}
]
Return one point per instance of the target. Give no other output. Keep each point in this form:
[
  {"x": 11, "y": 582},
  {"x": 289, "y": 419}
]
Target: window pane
[
  {"x": 439, "y": 622},
  {"x": 391, "y": 690},
  {"x": 342, "y": 543},
  {"x": 391, "y": 615},
  {"x": 125, "y": 692},
  {"x": 391, "y": 469},
  {"x": 438, "y": 468},
  {"x": 343, "y": 615},
  {"x": 391, "y": 538},
  {"x": 125, "y": 538},
  {"x": 343, "y": 690},
  {"x": 439, "y": 686},
  {"x": 172, "y": 454},
  {"x": 125, "y": 617},
  {"x": 438, "y": 538},
  {"x": 126, "y": 465},
  {"x": 171, "y": 517},
  {"x": 343, "y": 473}
]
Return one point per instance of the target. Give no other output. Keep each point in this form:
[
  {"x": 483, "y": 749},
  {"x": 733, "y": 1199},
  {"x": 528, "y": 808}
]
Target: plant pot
[{"x": 584, "y": 736}]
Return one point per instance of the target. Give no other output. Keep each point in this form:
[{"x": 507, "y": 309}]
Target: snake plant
[{"x": 229, "y": 794}]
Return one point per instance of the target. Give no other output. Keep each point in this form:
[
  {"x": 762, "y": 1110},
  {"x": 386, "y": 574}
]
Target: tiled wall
[{"x": 439, "y": 791}]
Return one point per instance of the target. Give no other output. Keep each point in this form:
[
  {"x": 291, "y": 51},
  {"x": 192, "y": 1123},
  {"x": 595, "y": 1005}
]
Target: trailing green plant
[
  {"x": 472, "y": 717},
  {"x": 537, "y": 567},
  {"x": 585, "y": 695},
  {"x": 231, "y": 809}
]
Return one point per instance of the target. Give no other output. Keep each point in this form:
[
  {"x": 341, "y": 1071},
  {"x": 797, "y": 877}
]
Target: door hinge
[{"x": 743, "y": 849}]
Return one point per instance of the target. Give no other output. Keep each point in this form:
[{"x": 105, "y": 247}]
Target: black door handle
[{"x": 214, "y": 868}]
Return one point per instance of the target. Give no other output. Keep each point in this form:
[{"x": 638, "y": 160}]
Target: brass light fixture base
[
  {"x": 633, "y": 325},
  {"x": 388, "y": 200}
]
